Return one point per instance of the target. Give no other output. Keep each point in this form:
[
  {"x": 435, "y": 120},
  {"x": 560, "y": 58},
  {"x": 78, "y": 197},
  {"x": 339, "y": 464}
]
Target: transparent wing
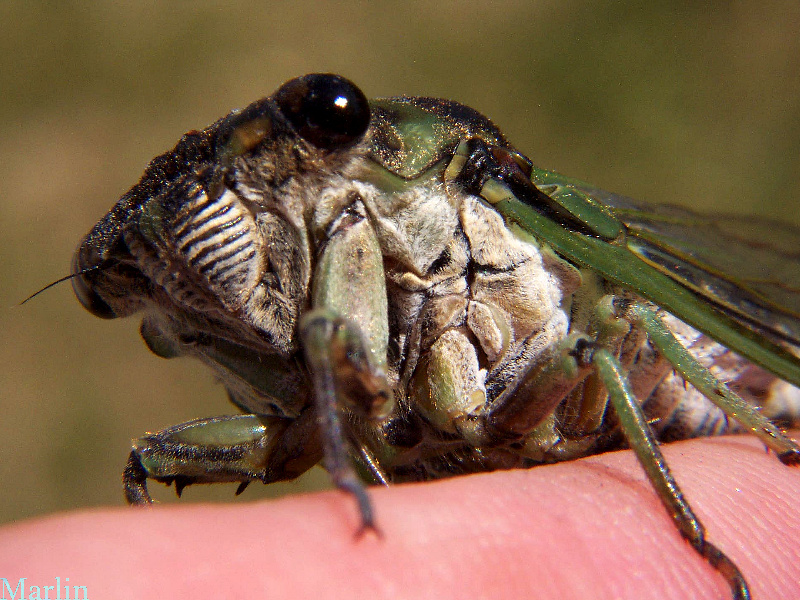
[{"x": 748, "y": 267}]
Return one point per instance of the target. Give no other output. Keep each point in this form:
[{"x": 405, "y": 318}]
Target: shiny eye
[{"x": 327, "y": 110}]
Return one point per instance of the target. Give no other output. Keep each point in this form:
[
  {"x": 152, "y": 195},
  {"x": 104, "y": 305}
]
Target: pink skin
[{"x": 588, "y": 529}]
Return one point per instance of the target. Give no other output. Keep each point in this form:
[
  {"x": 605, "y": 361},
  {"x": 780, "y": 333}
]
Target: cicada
[{"x": 390, "y": 288}]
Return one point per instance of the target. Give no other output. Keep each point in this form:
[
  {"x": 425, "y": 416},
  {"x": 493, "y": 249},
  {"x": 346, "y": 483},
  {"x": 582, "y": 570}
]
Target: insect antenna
[{"x": 102, "y": 266}]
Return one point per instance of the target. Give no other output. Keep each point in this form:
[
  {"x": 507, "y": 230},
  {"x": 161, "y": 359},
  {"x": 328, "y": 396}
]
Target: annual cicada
[{"x": 391, "y": 288}]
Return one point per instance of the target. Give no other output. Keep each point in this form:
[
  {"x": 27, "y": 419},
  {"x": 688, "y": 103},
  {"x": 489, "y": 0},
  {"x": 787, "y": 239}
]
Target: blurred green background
[{"x": 681, "y": 102}]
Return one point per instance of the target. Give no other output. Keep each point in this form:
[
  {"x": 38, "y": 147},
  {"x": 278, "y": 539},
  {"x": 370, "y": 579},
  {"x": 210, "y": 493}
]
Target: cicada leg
[
  {"x": 713, "y": 389},
  {"x": 342, "y": 377},
  {"x": 642, "y": 441},
  {"x": 346, "y": 357},
  {"x": 551, "y": 381},
  {"x": 581, "y": 358},
  {"x": 241, "y": 448}
]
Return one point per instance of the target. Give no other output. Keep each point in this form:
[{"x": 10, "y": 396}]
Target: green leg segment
[
  {"x": 241, "y": 448},
  {"x": 343, "y": 380},
  {"x": 700, "y": 377},
  {"x": 643, "y": 442}
]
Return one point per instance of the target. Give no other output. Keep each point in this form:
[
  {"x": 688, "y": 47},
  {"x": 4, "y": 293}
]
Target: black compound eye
[{"x": 327, "y": 110}]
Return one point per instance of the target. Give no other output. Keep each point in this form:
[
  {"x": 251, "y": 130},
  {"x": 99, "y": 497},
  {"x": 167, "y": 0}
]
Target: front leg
[
  {"x": 345, "y": 341},
  {"x": 240, "y": 448}
]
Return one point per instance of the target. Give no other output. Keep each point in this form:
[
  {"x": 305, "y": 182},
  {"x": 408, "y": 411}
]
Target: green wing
[{"x": 736, "y": 280}]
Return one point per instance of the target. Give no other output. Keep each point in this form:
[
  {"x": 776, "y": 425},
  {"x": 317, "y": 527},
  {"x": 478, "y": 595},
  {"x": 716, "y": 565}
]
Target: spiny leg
[
  {"x": 713, "y": 389},
  {"x": 642, "y": 441},
  {"x": 240, "y": 448}
]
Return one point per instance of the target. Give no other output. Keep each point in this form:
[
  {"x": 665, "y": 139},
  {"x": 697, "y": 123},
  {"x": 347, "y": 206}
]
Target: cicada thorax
[{"x": 471, "y": 305}]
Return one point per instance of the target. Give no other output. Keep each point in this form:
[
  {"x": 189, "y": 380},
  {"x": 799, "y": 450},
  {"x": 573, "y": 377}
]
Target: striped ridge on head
[{"x": 217, "y": 237}]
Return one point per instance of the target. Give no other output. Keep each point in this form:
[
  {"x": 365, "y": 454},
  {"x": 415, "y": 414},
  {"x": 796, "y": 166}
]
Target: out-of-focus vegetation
[{"x": 689, "y": 103}]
